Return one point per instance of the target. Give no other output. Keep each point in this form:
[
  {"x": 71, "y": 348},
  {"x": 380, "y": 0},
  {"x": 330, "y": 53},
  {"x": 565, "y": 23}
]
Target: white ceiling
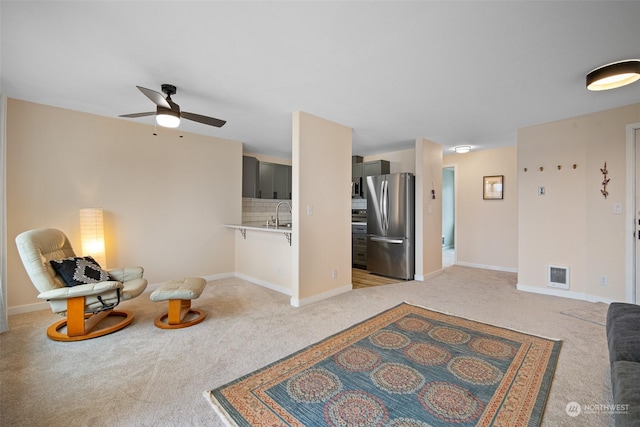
[{"x": 453, "y": 72}]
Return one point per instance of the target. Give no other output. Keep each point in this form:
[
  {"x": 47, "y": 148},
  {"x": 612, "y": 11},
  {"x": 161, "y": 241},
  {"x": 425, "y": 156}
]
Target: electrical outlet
[
  {"x": 334, "y": 274},
  {"x": 603, "y": 281},
  {"x": 617, "y": 209}
]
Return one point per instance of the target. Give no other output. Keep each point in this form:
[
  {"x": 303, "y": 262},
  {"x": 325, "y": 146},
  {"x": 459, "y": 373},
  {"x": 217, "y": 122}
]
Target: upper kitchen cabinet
[
  {"x": 282, "y": 182},
  {"x": 267, "y": 174},
  {"x": 250, "y": 177},
  {"x": 377, "y": 167},
  {"x": 265, "y": 180}
]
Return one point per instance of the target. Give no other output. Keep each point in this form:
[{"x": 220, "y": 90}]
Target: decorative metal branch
[{"x": 605, "y": 180}]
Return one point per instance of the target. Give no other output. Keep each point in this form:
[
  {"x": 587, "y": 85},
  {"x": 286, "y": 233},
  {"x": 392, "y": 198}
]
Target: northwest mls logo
[{"x": 573, "y": 409}]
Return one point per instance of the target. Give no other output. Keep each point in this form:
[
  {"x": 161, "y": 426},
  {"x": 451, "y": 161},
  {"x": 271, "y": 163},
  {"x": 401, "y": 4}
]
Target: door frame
[
  {"x": 454, "y": 166},
  {"x": 630, "y": 273}
]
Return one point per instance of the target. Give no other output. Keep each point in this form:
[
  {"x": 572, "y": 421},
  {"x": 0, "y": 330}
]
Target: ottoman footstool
[{"x": 179, "y": 293}]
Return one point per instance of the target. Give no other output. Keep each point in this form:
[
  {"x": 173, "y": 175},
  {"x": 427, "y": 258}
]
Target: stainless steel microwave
[{"x": 356, "y": 188}]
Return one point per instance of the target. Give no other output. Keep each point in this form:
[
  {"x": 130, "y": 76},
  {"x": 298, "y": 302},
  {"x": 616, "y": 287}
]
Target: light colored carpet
[
  {"x": 143, "y": 375},
  {"x": 595, "y": 313}
]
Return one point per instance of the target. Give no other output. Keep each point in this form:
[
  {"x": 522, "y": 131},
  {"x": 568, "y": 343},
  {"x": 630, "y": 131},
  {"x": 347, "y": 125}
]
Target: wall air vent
[{"x": 558, "y": 277}]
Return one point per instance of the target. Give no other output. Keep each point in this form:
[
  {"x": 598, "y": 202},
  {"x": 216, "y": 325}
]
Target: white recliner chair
[{"x": 84, "y": 305}]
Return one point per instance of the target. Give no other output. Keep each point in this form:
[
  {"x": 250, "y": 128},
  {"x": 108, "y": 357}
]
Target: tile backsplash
[
  {"x": 261, "y": 210},
  {"x": 358, "y": 203}
]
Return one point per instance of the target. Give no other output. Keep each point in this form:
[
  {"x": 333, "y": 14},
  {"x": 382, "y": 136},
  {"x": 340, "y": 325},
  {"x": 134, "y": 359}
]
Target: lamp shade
[
  {"x": 92, "y": 234},
  {"x": 167, "y": 118},
  {"x": 616, "y": 74}
]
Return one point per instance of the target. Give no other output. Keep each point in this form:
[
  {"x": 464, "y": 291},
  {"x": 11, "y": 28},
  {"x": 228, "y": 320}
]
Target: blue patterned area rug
[{"x": 405, "y": 367}]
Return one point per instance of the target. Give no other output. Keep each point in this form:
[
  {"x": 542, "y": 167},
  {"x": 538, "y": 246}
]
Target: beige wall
[
  {"x": 264, "y": 258},
  {"x": 321, "y": 177},
  {"x": 400, "y": 161},
  {"x": 428, "y": 217},
  {"x": 573, "y": 225},
  {"x": 165, "y": 198},
  {"x": 486, "y": 230}
]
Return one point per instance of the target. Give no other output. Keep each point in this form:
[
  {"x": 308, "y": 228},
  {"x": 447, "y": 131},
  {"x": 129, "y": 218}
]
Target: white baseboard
[
  {"x": 319, "y": 297},
  {"x": 562, "y": 293},
  {"x": 28, "y": 308},
  {"x": 263, "y": 283},
  {"x": 423, "y": 277},
  {"x": 488, "y": 267}
]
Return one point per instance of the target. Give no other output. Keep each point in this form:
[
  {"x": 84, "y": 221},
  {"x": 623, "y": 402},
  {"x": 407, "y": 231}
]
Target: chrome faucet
[{"x": 278, "y": 211}]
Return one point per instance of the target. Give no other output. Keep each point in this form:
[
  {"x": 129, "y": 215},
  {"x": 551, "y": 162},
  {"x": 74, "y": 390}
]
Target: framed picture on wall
[{"x": 492, "y": 187}]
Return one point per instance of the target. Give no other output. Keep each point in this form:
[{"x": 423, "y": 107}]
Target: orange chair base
[
  {"x": 178, "y": 311},
  {"x": 83, "y": 329}
]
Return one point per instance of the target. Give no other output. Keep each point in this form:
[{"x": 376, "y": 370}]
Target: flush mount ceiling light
[
  {"x": 462, "y": 149},
  {"x": 616, "y": 74}
]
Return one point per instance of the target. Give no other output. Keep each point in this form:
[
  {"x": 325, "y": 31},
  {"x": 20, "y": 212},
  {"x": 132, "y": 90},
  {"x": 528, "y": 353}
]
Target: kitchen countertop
[{"x": 260, "y": 226}]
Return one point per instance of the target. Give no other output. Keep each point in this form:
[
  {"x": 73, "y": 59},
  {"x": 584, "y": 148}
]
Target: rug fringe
[
  {"x": 224, "y": 416},
  {"x": 483, "y": 322}
]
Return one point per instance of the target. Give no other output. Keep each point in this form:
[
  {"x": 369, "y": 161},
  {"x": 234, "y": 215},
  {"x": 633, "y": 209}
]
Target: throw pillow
[{"x": 80, "y": 271}]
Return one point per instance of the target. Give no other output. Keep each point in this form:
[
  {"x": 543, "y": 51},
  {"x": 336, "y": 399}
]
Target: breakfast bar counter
[{"x": 261, "y": 226}]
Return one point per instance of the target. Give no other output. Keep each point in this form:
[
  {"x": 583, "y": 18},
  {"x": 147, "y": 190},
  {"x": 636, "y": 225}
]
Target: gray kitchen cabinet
[
  {"x": 275, "y": 181},
  {"x": 359, "y": 246},
  {"x": 250, "y": 177},
  {"x": 377, "y": 167},
  {"x": 267, "y": 176},
  {"x": 282, "y": 182},
  {"x": 357, "y": 170}
]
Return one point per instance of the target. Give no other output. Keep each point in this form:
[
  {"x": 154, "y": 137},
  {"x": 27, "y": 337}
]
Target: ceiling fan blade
[
  {"x": 211, "y": 121},
  {"x": 156, "y": 97},
  {"x": 134, "y": 115}
]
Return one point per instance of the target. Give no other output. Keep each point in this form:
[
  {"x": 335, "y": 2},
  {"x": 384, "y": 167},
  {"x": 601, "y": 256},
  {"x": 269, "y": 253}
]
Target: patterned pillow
[{"x": 80, "y": 271}]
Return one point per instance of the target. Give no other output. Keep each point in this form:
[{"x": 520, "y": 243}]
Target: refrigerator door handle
[
  {"x": 387, "y": 240},
  {"x": 385, "y": 201},
  {"x": 382, "y": 204}
]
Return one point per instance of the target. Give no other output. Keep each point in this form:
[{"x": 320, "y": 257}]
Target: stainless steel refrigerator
[{"x": 390, "y": 225}]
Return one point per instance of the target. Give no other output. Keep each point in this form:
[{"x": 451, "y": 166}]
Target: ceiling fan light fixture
[
  {"x": 614, "y": 75},
  {"x": 461, "y": 149},
  {"x": 167, "y": 118}
]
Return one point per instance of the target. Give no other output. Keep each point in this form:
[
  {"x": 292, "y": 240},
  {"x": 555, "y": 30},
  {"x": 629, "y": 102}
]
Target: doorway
[
  {"x": 633, "y": 213},
  {"x": 448, "y": 216},
  {"x": 632, "y": 270}
]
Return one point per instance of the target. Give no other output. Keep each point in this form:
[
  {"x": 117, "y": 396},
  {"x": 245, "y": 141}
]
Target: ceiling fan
[{"x": 168, "y": 113}]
